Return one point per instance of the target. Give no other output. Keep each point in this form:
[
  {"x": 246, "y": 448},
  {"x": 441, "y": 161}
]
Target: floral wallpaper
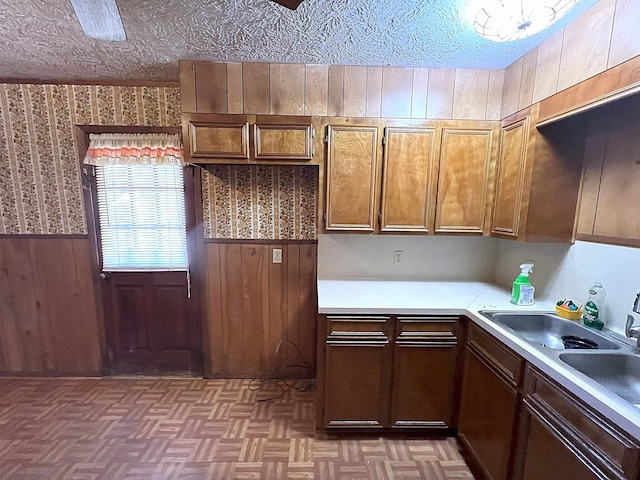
[
  {"x": 260, "y": 202},
  {"x": 40, "y": 189}
]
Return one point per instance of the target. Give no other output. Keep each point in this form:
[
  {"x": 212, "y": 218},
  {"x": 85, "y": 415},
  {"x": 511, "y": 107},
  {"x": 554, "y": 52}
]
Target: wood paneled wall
[
  {"x": 48, "y": 315},
  {"x": 338, "y": 90},
  {"x": 253, "y": 304},
  {"x": 601, "y": 38}
]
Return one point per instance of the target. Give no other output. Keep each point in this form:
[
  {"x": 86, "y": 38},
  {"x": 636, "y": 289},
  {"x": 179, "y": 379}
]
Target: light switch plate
[{"x": 277, "y": 255}]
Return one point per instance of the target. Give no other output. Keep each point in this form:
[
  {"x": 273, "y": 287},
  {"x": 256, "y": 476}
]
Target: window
[{"x": 142, "y": 217}]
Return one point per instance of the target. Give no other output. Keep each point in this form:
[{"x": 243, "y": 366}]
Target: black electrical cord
[{"x": 277, "y": 372}]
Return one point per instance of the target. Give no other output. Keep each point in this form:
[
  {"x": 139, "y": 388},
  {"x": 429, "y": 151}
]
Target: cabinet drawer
[
  {"x": 360, "y": 328},
  {"x": 506, "y": 363},
  {"x": 594, "y": 436},
  {"x": 427, "y": 330}
]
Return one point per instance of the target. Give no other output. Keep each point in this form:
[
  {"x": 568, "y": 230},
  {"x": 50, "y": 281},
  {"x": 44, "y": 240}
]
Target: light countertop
[{"x": 469, "y": 298}]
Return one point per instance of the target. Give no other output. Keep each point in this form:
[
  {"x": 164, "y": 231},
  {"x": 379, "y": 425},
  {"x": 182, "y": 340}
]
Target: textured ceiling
[{"x": 42, "y": 40}]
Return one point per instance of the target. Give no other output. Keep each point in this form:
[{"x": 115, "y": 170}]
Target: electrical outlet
[
  {"x": 277, "y": 255},
  {"x": 397, "y": 256}
]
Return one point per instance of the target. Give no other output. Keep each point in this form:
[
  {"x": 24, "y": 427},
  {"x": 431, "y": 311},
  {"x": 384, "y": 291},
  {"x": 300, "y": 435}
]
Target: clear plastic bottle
[{"x": 594, "y": 307}]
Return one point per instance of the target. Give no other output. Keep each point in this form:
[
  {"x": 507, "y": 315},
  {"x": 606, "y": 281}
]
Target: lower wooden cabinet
[
  {"x": 387, "y": 372},
  {"x": 424, "y": 365},
  {"x": 393, "y": 372},
  {"x": 358, "y": 357},
  {"x": 561, "y": 430},
  {"x": 547, "y": 447},
  {"x": 489, "y": 404}
]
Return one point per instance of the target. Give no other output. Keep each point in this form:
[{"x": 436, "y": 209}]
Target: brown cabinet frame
[{"x": 387, "y": 390}]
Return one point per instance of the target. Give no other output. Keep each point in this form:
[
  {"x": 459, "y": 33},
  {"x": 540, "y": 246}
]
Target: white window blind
[{"x": 142, "y": 217}]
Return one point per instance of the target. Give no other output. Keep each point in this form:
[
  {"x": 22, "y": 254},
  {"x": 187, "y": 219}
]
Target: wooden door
[
  {"x": 148, "y": 323},
  {"x": 151, "y": 325},
  {"x": 352, "y": 177},
  {"x": 463, "y": 181},
  {"x": 357, "y": 372},
  {"x": 510, "y": 179},
  {"x": 409, "y": 176},
  {"x": 487, "y": 417},
  {"x": 151, "y": 319},
  {"x": 424, "y": 365}
]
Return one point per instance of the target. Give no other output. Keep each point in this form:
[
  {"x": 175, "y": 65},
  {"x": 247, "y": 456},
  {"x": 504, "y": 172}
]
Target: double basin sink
[{"x": 609, "y": 362}]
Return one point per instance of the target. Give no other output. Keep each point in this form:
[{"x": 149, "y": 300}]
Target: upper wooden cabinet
[
  {"x": 353, "y": 171},
  {"x": 270, "y": 139},
  {"x": 217, "y": 137},
  {"x": 463, "y": 197},
  {"x": 510, "y": 178},
  {"x": 283, "y": 138},
  {"x": 538, "y": 179},
  {"x": 409, "y": 179},
  {"x": 611, "y": 176},
  {"x": 430, "y": 175}
]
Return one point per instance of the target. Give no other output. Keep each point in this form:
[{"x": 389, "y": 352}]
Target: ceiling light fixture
[
  {"x": 508, "y": 20},
  {"x": 100, "y": 19}
]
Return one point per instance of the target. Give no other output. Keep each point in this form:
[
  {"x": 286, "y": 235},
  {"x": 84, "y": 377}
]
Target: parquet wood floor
[{"x": 160, "y": 428}]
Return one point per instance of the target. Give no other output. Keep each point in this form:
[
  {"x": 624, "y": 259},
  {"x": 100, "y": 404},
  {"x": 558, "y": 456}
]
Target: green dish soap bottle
[
  {"x": 594, "y": 307},
  {"x": 522, "y": 290}
]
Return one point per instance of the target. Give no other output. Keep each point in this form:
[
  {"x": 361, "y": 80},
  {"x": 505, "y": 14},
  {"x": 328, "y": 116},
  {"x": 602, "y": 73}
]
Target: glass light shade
[{"x": 508, "y": 20}]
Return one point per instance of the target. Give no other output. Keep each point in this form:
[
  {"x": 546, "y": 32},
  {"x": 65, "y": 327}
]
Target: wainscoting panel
[
  {"x": 48, "y": 317},
  {"x": 253, "y": 304}
]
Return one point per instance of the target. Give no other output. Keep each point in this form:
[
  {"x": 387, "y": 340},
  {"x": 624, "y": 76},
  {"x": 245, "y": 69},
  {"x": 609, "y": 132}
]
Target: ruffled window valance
[{"x": 134, "y": 149}]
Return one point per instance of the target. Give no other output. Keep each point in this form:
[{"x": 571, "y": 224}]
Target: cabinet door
[
  {"x": 559, "y": 428},
  {"x": 487, "y": 417},
  {"x": 217, "y": 137},
  {"x": 548, "y": 455},
  {"x": 617, "y": 215},
  {"x": 352, "y": 177},
  {"x": 358, "y": 362},
  {"x": 510, "y": 179},
  {"x": 408, "y": 189},
  {"x": 424, "y": 361},
  {"x": 465, "y": 159},
  {"x": 283, "y": 138}
]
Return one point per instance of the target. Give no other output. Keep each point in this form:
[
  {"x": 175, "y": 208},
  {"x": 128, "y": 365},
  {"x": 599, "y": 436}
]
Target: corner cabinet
[
  {"x": 387, "y": 372},
  {"x": 248, "y": 139},
  {"x": 611, "y": 175},
  {"x": 538, "y": 178}
]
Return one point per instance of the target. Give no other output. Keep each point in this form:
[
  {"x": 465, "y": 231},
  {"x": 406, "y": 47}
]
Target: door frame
[{"x": 193, "y": 217}]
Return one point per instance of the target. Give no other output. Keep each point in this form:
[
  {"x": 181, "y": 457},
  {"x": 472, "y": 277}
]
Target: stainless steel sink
[
  {"x": 617, "y": 372},
  {"x": 547, "y": 330}
]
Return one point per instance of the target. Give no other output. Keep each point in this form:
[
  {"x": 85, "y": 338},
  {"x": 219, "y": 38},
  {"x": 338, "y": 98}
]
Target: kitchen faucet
[{"x": 629, "y": 330}]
